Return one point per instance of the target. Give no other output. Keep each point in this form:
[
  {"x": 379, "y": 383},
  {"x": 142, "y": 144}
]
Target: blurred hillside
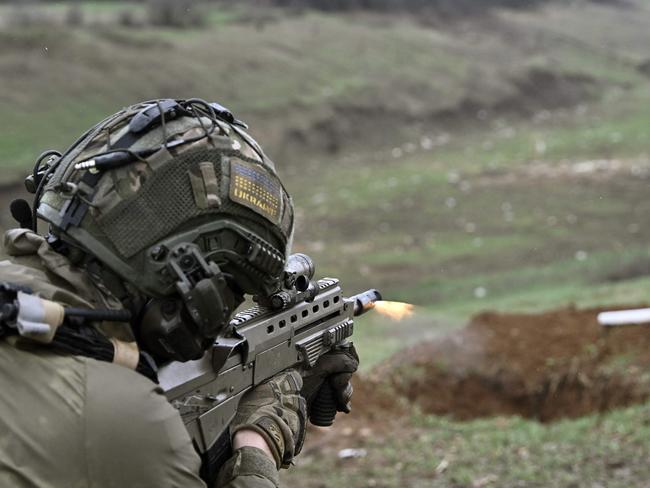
[
  {"x": 497, "y": 156},
  {"x": 311, "y": 83},
  {"x": 447, "y": 9}
]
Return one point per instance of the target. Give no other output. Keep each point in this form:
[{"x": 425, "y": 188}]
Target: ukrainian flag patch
[{"x": 255, "y": 187}]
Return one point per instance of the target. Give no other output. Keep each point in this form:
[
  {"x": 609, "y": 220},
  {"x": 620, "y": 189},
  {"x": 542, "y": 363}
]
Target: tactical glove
[
  {"x": 332, "y": 371},
  {"x": 277, "y": 412}
]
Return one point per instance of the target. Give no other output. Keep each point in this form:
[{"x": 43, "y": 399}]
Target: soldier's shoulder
[
  {"x": 29, "y": 261},
  {"x": 21, "y": 264}
]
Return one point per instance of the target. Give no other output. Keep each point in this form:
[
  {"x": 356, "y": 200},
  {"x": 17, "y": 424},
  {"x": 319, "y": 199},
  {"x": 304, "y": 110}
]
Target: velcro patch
[
  {"x": 271, "y": 428},
  {"x": 255, "y": 187}
]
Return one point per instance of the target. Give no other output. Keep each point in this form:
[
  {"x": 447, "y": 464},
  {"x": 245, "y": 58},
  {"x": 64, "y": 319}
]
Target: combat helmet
[{"x": 175, "y": 198}]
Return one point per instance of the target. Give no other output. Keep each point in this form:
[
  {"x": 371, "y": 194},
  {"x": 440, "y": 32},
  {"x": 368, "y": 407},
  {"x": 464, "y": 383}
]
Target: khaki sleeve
[
  {"x": 69, "y": 421},
  {"x": 248, "y": 467},
  {"x": 136, "y": 438}
]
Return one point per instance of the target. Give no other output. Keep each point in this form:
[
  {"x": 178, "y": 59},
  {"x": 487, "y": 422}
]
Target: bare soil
[{"x": 542, "y": 366}]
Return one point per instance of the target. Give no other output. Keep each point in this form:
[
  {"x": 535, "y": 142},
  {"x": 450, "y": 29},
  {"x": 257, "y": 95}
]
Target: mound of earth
[{"x": 543, "y": 366}]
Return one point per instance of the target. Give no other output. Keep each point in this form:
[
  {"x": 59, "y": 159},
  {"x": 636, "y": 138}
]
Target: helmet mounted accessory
[{"x": 178, "y": 201}]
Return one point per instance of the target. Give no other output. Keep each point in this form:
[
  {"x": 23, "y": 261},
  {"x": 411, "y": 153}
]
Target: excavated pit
[{"x": 542, "y": 366}]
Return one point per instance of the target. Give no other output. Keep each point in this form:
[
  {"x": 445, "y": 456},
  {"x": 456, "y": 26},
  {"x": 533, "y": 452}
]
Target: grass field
[
  {"x": 496, "y": 163},
  {"x": 427, "y": 451}
]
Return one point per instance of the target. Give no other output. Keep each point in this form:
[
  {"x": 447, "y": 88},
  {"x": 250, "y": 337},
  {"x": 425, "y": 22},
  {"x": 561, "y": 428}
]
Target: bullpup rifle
[{"x": 292, "y": 328}]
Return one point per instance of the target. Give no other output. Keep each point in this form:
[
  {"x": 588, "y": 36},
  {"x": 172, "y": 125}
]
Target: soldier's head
[{"x": 175, "y": 202}]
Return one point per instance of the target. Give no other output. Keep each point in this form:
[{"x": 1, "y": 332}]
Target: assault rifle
[{"x": 290, "y": 329}]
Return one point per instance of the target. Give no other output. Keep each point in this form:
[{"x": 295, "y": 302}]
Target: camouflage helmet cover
[{"x": 186, "y": 174}]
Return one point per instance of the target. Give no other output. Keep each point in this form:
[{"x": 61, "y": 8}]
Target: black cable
[
  {"x": 163, "y": 124},
  {"x": 214, "y": 116},
  {"x": 39, "y": 160},
  {"x": 199, "y": 101},
  {"x": 39, "y": 191},
  {"x": 48, "y": 172},
  {"x": 47, "y": 154},
  {"x": 241, "y": 133},
  {"x": 211, "y": 114},
  {"x": 140, "y": 155},
  {"x": 199, "y": 106},
  {"x": 205, "y": 131}
]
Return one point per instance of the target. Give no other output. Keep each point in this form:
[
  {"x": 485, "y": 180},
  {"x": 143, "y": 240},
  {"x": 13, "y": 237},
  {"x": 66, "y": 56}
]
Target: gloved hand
[
  {"x": 333, "y": 370},
  {"x": 277, "y": 412}
]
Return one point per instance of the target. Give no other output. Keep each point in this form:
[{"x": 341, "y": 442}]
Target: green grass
[
  {"x": 602, "y": 450},
  {"x": 92, "y": 7},
  {"x": 396, "y": 222}
]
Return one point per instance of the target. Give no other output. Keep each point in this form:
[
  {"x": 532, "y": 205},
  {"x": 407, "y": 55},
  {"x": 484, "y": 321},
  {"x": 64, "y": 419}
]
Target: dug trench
[{"x": 542, "y": 366}]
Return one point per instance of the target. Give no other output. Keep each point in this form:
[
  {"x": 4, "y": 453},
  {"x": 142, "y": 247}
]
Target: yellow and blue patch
[{"x": 255, "y": 187}]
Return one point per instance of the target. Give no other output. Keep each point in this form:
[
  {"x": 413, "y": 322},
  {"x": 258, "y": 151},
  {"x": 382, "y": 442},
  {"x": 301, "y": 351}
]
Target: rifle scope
[{"x": 300, "y": 270}]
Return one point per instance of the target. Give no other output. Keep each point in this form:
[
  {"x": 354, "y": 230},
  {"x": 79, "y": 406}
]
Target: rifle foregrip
[{"x": 323, "y": 408}]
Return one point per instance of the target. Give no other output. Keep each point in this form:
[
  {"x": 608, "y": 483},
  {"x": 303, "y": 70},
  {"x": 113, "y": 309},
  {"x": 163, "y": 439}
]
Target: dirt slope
[{"x": 544, "y": 366}]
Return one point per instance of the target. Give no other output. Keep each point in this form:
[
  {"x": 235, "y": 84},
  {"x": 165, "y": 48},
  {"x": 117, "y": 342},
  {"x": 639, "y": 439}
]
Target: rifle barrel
[{"x": 365, "y": 301}]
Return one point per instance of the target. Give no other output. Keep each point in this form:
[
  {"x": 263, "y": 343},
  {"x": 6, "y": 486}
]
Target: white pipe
[{"x": 624, "y": 317}]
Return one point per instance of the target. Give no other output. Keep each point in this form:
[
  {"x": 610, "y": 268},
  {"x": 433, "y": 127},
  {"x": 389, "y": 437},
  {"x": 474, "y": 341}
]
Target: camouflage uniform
[{"x": 77, "y": 422}]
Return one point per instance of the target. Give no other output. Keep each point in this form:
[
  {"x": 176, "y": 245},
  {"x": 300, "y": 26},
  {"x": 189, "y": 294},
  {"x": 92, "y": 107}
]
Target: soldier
[{"x": 162, "y": 217}]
